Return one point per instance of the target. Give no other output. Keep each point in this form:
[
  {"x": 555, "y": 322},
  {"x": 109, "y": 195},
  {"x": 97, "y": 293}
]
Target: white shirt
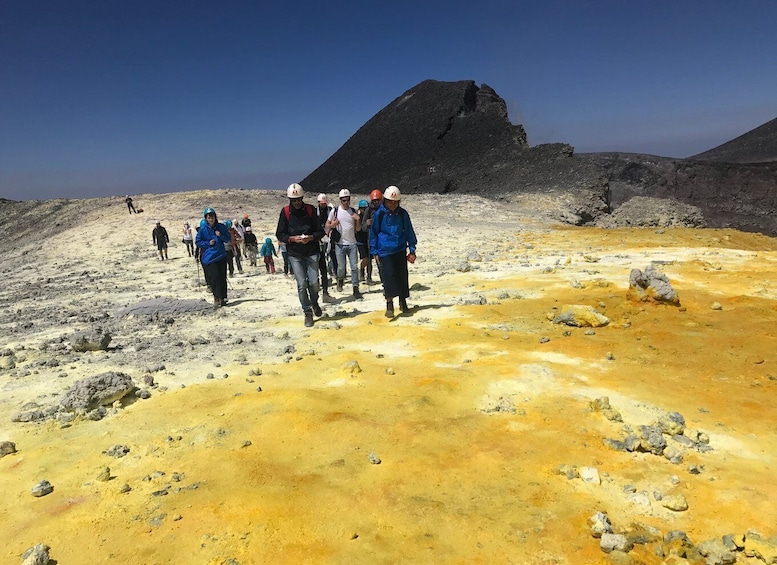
[{"x": 346, "y": 227}]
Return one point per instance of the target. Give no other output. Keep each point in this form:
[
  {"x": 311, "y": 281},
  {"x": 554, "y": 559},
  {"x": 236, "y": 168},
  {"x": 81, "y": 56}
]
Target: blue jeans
[
  {"x": 353, "y": 259},
  {"x": 305, "y": 270}
]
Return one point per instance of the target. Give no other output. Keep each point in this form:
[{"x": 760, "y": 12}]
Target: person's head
[
  {"x": 158, "y": 224},
  {"x": 228, "y": 223},
  {"x": 234, "y": 221},
  {"x": 376, "y": 196},
  {"x": 245, "y": 216},
  {"x": 267, "y": 240},
  {"x": 322, "y": 200},
  {"x": 391, "y": 198},
  {"x": 345, "y": 198},
  {"x": 186, "y": 224},
  {"x": 295, "y": 195},
  {"x": 362, "y": 204},
  {"x": 210, "y": 216}
]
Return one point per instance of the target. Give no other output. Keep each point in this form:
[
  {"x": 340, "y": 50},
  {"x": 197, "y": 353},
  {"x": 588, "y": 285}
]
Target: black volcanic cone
[
  {"x": 759, "y": 145},
  {"x": 425, "y": 139}
]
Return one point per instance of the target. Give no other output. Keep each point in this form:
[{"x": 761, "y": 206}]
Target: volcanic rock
[{"x": 100, "y": 390}]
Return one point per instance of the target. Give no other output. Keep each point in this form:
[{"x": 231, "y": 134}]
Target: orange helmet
[{"x": 376, "y": 195}]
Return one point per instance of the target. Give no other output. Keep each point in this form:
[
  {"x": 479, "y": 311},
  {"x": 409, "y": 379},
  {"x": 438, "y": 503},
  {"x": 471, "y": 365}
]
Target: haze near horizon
[{"x": 100, "y": 99}]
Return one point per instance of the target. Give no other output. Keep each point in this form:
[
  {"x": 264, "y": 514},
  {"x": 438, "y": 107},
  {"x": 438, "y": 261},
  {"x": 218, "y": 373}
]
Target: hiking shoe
[
  {"x": 317, "y": 309},
  {"x": 403, "y": 306},
  {"x": 223, "y": 301},
  {"x": 327, "y": 297},
  {"x": 217, "y": 302},
  {"x": 356, "y": 294},
  {"x": 339, "y": 286},
  {"x": 308, "y": 319},
  {"x": 389, "y": 308}
]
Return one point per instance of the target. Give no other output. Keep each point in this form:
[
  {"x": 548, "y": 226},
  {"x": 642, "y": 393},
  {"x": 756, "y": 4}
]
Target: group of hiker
[
  {"x": 309, "y": 232},
  {"x": 307, "y": 236}
]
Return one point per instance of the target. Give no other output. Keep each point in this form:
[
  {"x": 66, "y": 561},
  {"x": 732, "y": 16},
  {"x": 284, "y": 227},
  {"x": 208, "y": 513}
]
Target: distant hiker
[
  {"x": 301, "y": 231},
  {"x": 188, "y": 239},
  {"x": 229, "y": 248},
  {"x": 285, "y": 257},
  {"x": 130, "y": 206},
  {"x": 345, "y": 220},
  {"x": 246, "y": 223},
  {"x": 161, "y": 240},
  {"x": 363, "y": 245},
  {"x": 267, "y": 251},
  {"x": 197, "y": 250},
  {"x": 211, "y": 239},
  {"x": 322, "y": 211},
  {"x": 251, "y": 245},
  {"x": 376, "y": 199},
  {"x": 237, "y": 232},
  {"x": 391, "y": 235}
]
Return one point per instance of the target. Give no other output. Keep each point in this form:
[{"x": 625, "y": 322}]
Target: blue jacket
[
  {"x": 212, "y": 253},
  {"x": 391, "y": 233}
]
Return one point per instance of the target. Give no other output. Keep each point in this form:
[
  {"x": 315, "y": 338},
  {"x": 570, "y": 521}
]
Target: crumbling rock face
[
  {"x": 95, "y": 340},
  {"x": 643, "y": 211},
  {"x": 741, "y": 196}
]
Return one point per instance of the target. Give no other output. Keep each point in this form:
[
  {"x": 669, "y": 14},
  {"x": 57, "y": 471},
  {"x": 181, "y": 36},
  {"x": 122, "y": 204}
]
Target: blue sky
[{"x": 107, "y": 97}]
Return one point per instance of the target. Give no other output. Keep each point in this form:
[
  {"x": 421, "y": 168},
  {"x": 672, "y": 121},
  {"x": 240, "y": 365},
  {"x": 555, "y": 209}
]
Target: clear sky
[{"x": 104, "y": 97}]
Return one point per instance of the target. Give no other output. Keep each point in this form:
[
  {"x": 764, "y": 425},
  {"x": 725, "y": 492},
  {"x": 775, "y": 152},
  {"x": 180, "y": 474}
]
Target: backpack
[{"x": 308, "y": 209}]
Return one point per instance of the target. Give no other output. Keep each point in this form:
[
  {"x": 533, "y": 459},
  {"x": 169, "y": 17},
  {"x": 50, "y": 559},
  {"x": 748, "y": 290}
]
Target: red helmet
[{"x": 376, "y": 195}]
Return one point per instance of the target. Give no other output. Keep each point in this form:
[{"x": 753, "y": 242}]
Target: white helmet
[
  {"x": 294, "y": 191},
  {"x": 392, "y": 193},
  {"x": 322, "y": 198},
  {"x": 344, "y": 192}
]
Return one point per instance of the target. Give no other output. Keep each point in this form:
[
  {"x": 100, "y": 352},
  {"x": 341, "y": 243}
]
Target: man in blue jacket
[
  {"x": 391, "y": 236},
  {"x": 211, "y": 238}
]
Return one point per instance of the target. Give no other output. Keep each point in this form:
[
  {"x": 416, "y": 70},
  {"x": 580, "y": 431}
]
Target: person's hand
[
  {"x": 218, "y": 233},
  {"x": 355, "y": 217},
  {"x": 213, "y": 242},
  {"x": 377, "y": 259},
  {"x": 411, "y": 258}
]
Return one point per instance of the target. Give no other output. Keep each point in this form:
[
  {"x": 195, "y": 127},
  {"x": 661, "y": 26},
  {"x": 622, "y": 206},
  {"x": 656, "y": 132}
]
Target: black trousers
[
  {"x": 216, "y": 277},
  {"x": 393, "y": 273}
]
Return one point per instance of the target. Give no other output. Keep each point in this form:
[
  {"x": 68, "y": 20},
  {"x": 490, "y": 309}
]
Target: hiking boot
[
  {"x": 369, "y": 279},
  {"x": 308, "y": 319},
  {"x": 216, "y": 302},
  {"x": 317, "y": 309},
  {"x": 356, "y": 294},
  {"x": 403, "y": 306},
  {"x": 339, "y": 285},
  {"x": 327, "y": 297},
  {"x": 389, "y": 308},
  {"x": 223, "y": 301}
]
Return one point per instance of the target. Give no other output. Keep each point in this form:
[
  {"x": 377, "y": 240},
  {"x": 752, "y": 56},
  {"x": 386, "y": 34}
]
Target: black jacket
[{"x": 300, "y": 222}]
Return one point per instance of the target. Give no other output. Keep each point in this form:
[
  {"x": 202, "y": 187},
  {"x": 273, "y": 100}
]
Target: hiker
[
  {"x": 130, "y": 206},
  {"x": 323, "y": 210},
  {"x": 301, "y": 231},
  {"x": 211, "y": 240},
  {"x": 188, "y": 239},
  {"x": 344, "y": 222},
  {"x": 230, "y": 250},
  {"x": 267, "y": 251},
  {"x": 236, "y": 230},
  {"x": 363, "y": 246},
  {"x": 197, "y": 250},
  {"x": 391, "y": 234},
  {"x": 159, "y": 235},
  {"x": 376, "y": 199},
  {"x": 251, "y": 245},
  {"x": 245, "y": 223},
  {"x": 285, "y": 257}
]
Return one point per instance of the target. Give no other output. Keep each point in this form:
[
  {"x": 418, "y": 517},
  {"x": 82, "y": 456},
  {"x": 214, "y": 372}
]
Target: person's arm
[
  {"x": 333, "y": 221},
  {"x": 374, "y": 234},
  {"x": 282, "y": 231}
]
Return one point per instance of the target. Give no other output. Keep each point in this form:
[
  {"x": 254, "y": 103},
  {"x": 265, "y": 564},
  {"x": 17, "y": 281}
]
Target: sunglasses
[
  {"x": 345, "y": 198},
  {"x": 296, "y": 199}
]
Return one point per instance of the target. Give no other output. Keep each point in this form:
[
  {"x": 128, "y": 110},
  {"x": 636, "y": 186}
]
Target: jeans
[
  {"x": 353, "y": 259},
  {"x": 305, "y": 270}
]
